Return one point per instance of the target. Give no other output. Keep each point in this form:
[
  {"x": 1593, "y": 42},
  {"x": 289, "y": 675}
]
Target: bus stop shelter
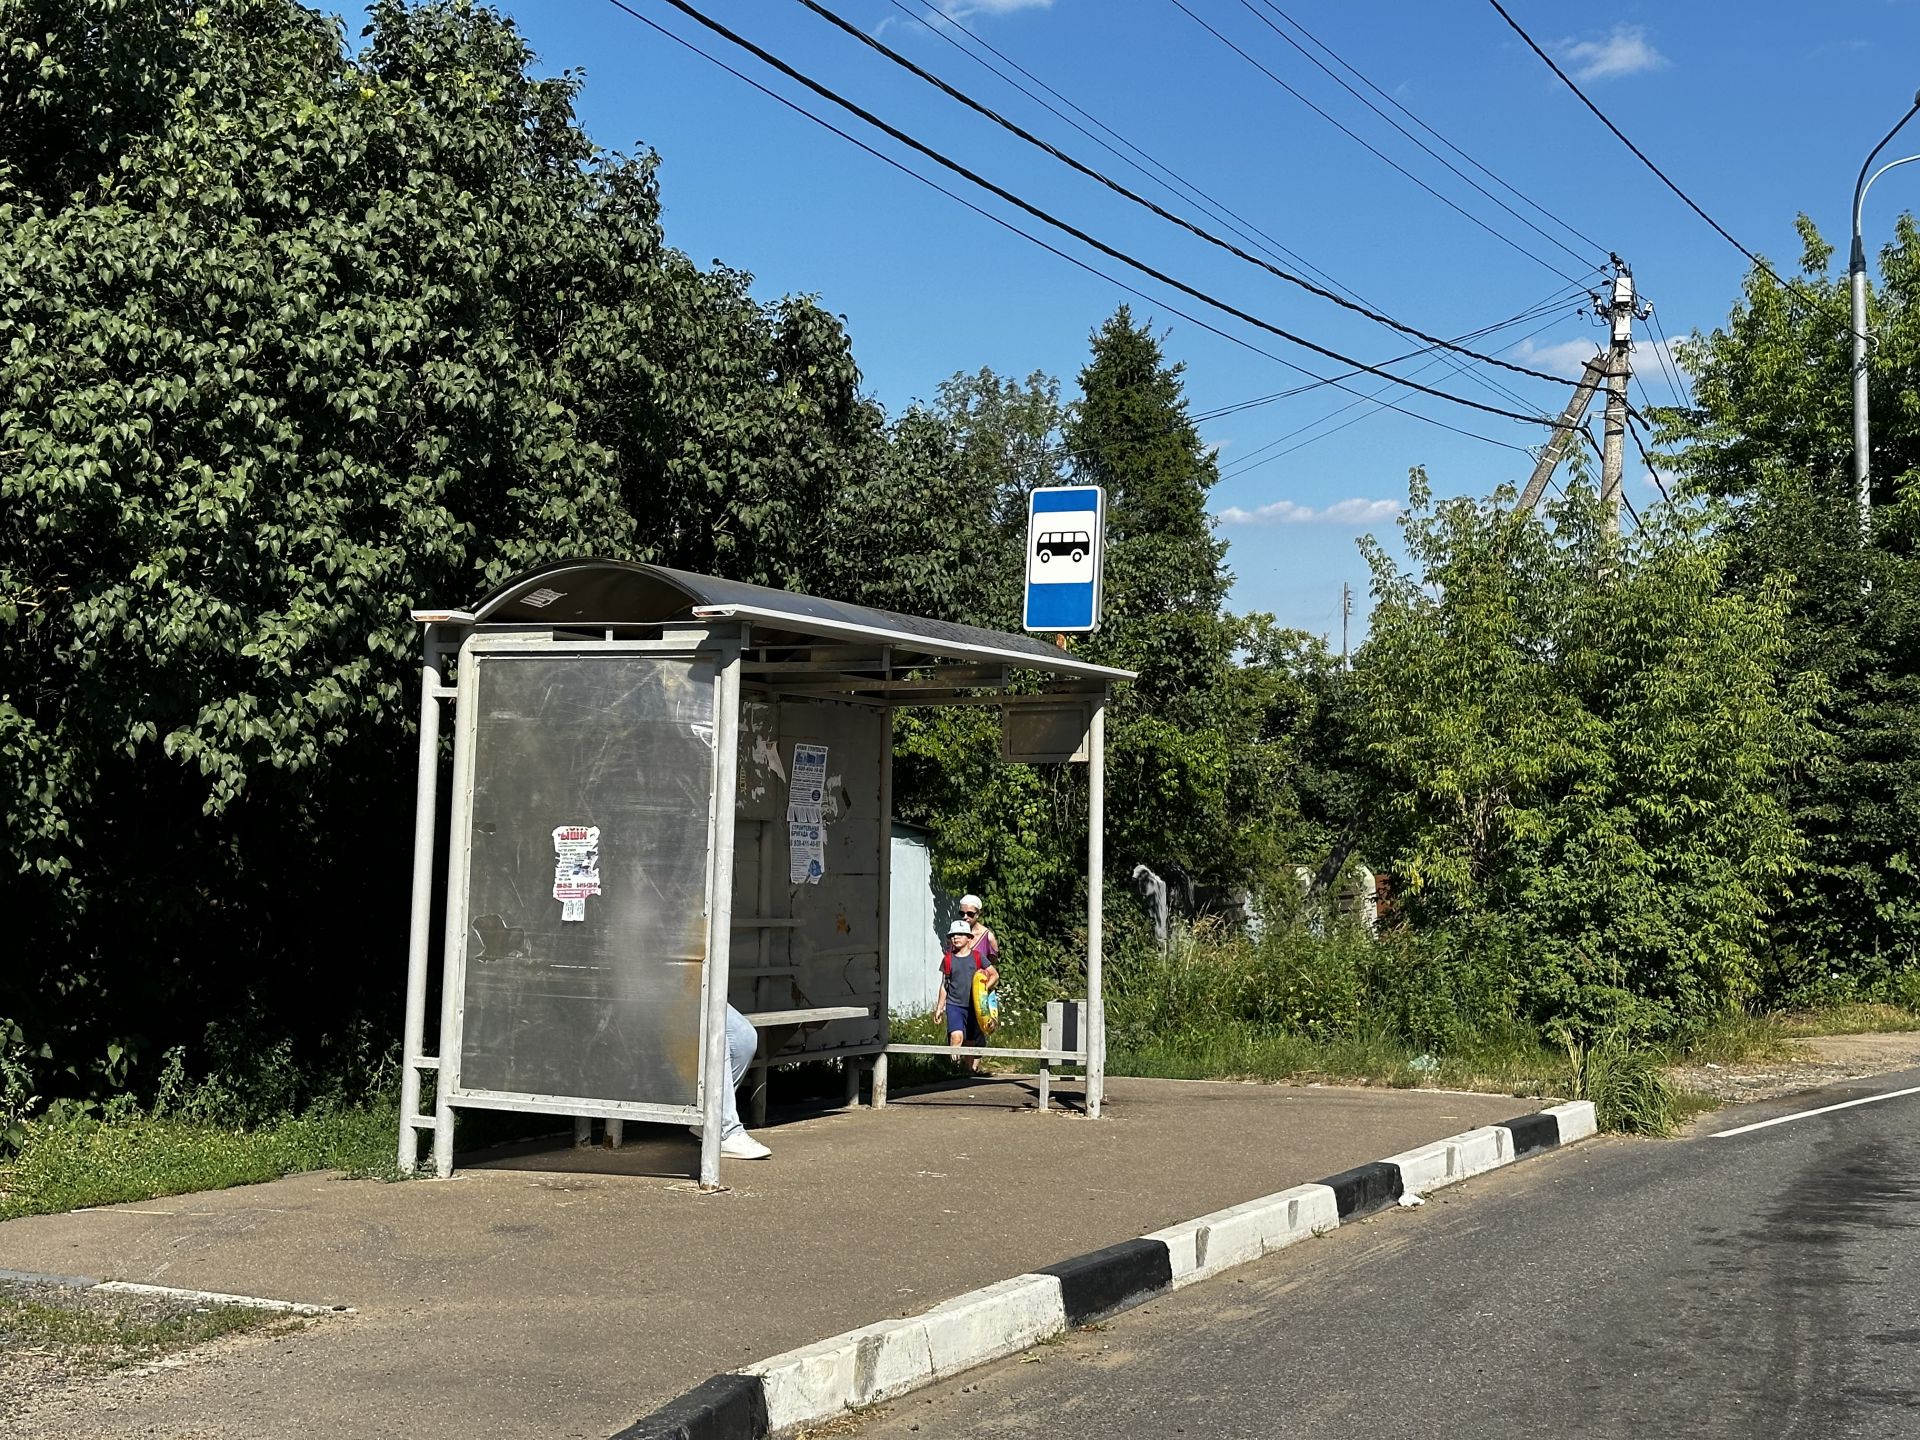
[{"x": 671, "y": 791}]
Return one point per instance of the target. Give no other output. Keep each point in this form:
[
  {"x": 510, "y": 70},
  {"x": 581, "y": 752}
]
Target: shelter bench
[{"x": 764, "y": 1021}]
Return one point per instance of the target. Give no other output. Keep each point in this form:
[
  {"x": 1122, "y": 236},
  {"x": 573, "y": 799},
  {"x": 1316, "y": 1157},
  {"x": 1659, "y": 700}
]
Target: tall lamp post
[{"x": 1857, "y": 276}]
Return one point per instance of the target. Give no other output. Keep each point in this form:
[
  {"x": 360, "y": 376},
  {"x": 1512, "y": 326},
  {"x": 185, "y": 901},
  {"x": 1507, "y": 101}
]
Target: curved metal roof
[{"x": 591, "y": 592}]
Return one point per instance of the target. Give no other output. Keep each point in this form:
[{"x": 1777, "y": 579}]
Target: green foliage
[
  {"x": 1771, "y": 433},
  {"x": 1576, "y": 744},
  {"x": 291, "y": 340},
  {"x": 126, "y": 1155}
]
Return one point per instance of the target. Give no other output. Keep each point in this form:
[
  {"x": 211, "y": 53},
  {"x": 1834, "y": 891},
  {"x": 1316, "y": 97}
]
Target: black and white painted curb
[{"x": 880, "y": 1362}]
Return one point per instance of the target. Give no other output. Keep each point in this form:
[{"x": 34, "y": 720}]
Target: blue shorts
[{"x": 960, "y": 1017}]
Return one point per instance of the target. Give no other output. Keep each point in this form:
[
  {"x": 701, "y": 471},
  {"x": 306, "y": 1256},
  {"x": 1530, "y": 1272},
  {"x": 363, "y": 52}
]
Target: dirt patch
[
  {"x": 1816, "y": 1061},
  {"x": 56, "y": 1340}
]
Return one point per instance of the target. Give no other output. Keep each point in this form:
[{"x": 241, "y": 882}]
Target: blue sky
[{"x": 1752, "y": 109}]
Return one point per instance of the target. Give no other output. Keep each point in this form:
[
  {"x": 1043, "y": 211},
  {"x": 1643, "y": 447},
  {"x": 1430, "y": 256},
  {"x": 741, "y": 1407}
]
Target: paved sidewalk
[{"x": 553, "y": 1292}]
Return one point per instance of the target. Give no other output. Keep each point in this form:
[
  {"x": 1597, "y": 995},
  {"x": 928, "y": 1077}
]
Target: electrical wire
[
  {"x": 1652, "y": 469},
  {"x": 1670, "y": 362},
  {"x": 1248, "y": 462},
  {"x": 1818, "y": 302},
  {"x": 1314, "y": 60},
  {"x": 1065, "y": 227},
  {"x": 1374, "y": 150},
  {"x": 1551, "y": 306},
  {"x": 953, "y": 92},
  {"x": 949, "y": 27},
  {"x": 1074, "y": 260},
  {"x": 1520, "y": 195}
]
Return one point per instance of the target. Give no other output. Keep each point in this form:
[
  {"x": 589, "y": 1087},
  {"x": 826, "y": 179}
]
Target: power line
[
  {"x": 1652, "y": 469},
  {"x": 1641, "y": 155},
  {"x": 1012, "y": 127},
  {"x": 1378, "y": 154},
  {"x": 1176, "y": 183},
  {"x": 1314, "y": 60},
  {"x": 1246, "y": 464},
  {"x": 1551, "y": 305},
  {"x": 773, "y": 61},
  {"x": 950, "y": 26},
  {"x": 1520, "y": 195},
  {"x": 1074, "y": 260},
  {"x": 1670, "y": 362}
]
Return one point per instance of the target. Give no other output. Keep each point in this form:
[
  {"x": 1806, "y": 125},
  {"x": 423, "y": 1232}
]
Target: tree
[
  {"x": 291, "y": 340},
  {"x": 1576, "y": 746},
  {"x": 1770, "y": 433},
  {"x": 1184, "y": 794}
]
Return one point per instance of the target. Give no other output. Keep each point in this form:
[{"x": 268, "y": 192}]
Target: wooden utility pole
[
  {"x": 1564, "y": 435},
  {"x": 1619, "y": 367},
  {"x": 1346, "y": 614}
]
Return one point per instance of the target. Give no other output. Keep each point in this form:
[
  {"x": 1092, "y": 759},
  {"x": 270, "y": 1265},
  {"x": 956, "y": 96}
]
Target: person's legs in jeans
[{"x": 742, "y": 1041}]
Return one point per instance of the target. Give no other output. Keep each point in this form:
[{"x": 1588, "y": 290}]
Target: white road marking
[{"x": 1823, "y": 1110}]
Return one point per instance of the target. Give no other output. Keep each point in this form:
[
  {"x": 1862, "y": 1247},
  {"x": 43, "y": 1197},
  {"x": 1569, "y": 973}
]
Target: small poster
[
  {"x": 807, "y": 854},
  {"x": 807, "y": 790},
  {"x": 576, "y": 868}
]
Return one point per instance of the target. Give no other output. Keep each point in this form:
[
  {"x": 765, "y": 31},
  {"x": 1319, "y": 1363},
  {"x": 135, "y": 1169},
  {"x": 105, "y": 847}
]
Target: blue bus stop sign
[{"x": 1066, "y": 554}]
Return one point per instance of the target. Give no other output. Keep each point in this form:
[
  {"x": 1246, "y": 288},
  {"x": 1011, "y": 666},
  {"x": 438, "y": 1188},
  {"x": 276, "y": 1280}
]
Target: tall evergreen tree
[{"x": 1183, "y": 795}]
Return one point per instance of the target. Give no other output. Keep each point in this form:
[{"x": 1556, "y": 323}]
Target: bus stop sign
[{"x": 1066, "y": 554}]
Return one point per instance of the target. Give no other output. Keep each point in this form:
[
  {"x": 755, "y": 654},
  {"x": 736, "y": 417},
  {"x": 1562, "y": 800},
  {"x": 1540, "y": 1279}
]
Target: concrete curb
[
  {"x": 170, "y": 1292},
  {"x": 882, "y": 1361}
]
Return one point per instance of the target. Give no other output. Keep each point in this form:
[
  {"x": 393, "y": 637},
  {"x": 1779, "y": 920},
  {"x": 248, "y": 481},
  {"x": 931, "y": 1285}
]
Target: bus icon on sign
[{"x": 1074, "y": 544}]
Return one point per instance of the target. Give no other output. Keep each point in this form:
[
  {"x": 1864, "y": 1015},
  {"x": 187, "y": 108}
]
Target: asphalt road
[{"x": 1758, "y": 1285}]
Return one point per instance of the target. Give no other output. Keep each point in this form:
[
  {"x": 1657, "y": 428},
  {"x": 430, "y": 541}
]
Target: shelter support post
[
  {"x": 426, "y": 808},
  {"x": 885, "y": 933},
  {"x": 714, "y": 1068},
  {"x": 453, "y": 966},
  {"x": 1096, "y": 900}
]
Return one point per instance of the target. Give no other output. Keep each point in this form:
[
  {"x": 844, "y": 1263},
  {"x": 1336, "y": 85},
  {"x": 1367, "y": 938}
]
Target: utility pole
[
  {"x": 1346, "y": 613},
  {"x": 1619, "y": 313},
  {"x": 1564, "y": 435}
]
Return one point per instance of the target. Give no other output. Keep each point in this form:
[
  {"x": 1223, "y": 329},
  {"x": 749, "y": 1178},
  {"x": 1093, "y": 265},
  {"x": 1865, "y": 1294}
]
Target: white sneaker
[{"x": 743, "y": 1147}]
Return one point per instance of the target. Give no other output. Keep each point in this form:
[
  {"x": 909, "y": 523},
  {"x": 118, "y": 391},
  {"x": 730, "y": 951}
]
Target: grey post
[
  {"x": 885, "y": 936},
  {"x": 426, "y": 792},
  {"x": 1619, "y": 366},
  {"x": 1857, "y": 278},
  {"x": 1564, "y": 434},
  {"x": 720, "y": 912},
  {"x": 1096, "y": 1036}
]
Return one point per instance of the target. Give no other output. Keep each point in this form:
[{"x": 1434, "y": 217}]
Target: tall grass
[{"x": 1335, "y": 1003}]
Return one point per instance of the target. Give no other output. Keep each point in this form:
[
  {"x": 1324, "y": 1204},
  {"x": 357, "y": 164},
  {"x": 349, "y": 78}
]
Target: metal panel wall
[
  {"x": 830, "y": 953},
  {"x": 607, "y": 1006}
]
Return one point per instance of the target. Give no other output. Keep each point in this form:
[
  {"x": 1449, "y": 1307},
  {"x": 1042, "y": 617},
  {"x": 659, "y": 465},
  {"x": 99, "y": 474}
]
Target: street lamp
[{"x": 1857, "y": 275}]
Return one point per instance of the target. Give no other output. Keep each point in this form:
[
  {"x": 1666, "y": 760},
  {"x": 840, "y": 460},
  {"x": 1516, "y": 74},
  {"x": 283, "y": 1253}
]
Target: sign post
[{"x": 1066, "y": 558}]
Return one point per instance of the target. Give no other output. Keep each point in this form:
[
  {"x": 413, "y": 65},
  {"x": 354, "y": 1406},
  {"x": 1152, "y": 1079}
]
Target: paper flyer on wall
[
  {"x": 807, "y": 854},
  {"x": 576, "y": 868},
  {"x": 807, "y": 790}
]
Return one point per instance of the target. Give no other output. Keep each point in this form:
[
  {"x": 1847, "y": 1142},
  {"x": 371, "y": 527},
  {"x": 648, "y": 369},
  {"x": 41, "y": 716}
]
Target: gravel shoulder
[
  {"x": 1815, "y": 1061},
  {"x": 62, "y": 1343}
]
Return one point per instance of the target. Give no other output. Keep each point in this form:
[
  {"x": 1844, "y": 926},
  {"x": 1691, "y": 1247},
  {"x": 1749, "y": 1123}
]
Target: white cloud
[
  {"x": 1562, "y": 357},
  {"x": 1624, "y": 51},
  {"x": 1286, "y": 512},
  {"x": 937, "y": 14},
  {"x": 1649, "y": 354}
]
